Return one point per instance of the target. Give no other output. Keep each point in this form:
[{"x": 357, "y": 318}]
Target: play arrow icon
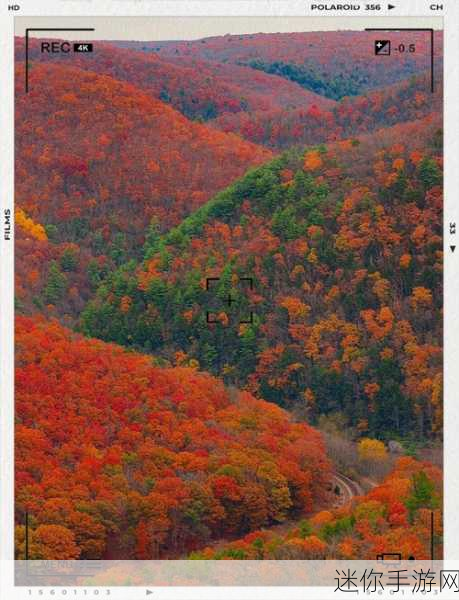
[
  {"x": 390, "y": 6},
  {"x": 453, "y": 248}
]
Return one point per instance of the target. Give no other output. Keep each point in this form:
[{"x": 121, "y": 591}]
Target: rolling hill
[
  {"x": 200, "y": 89},
  {"x": 393, "y": 517},
  {"x": 240, "y": 226},
  {"x": 332, "y": 64},
  {"x": 84, "y": 123},
  {"x": 97, "y": 159},
  {"x": 343, "y": 247},
  {"x": 116, "y": 457},
  {"x": 279, "y": 129}
]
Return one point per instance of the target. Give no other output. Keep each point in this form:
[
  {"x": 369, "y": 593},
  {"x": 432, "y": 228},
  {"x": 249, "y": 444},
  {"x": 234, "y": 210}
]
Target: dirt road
[{"x": 347, "y": 489}]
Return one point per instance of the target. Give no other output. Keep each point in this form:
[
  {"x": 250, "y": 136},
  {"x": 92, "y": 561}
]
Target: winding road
[{"x": 347, "y": 489}]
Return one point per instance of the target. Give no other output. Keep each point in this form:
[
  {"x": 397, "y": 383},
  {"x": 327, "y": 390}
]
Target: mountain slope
[
  {"x": 97, "y": 159},
  {"x": 266, "y": 108},
  {"x": 402, "y": 102},
  {"x": 343, "y": 246},
  {"x": 394, "y": 517},
  {"x": 113, "y": 452},
  {"x": 333, "y": 64},
  {"x": 103, "y": 146},
  {"x": 199, "y": 89}
]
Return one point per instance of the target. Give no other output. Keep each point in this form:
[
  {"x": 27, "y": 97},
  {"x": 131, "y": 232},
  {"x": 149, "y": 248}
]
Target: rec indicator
[
  {"x": 65, "y": 47},
  {"x": 82, "y": 47}
]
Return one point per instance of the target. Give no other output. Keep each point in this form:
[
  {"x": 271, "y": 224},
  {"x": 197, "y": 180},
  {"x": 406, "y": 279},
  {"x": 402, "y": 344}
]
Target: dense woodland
[
  {"x": 345, "y": 256},
  {"x": 394, "y": 517},
  {"x": 303, "y": 176},
  {"x": 158, "y": 459},
  {"x": 201, "y": 90}
]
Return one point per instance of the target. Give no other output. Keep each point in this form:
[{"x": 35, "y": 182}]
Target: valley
[{"x": 229, "y": 269}]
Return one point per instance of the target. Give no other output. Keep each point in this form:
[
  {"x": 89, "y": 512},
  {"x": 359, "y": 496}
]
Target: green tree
[
  {"x": 51, "y": 232},
  {"x": 429, "y": 173},
  {"x": 118, "y": 248},
  {"x": 69, "y": 259},
  {"x": 422, "y": 495},
  {"x": 152, "y": 238},
  {"x": 56, "y": 284}
]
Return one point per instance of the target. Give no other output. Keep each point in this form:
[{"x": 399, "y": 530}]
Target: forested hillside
[
  {"x": 200, "y": 89},
  {"x": 394, "y": 517},
  {"x": 279, "y": 129},
  {"x": 118, "y": 458},
  {"x": 131, "y": 151},
  {"x": 94, "y": 193},
  {"x": 333, "y": 64},
  {"x": 343, "y": 244},
  {"x": 229, "y": 264}
]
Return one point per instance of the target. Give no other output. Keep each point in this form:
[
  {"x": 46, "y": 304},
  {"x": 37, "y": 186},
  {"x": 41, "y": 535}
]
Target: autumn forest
[{"x": 228, "y": 259}]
